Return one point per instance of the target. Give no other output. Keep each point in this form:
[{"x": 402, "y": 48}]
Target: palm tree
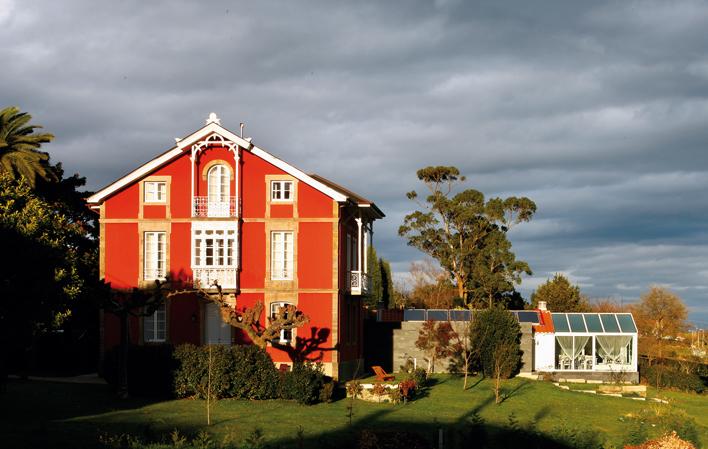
[{"x": 19, "y": 147}]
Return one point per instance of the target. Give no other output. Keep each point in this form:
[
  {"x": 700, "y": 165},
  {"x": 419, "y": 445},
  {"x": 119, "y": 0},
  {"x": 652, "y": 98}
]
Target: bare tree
[{"x": 249, "y": 319}]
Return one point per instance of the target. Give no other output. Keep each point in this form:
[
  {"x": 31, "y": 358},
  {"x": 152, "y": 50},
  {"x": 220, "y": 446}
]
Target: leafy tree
[
  {"x": 452, "y": 228},
  {"x": 560, "y": 295},
  {"x": 20, "y": 153},
  {"x": 496, "y": 337},
  {"x": 659, "y": 314},
  {"x": 434, "y": 339},
  {"x": 48, "y": 254},
  {"x": 494, "y": 269}
]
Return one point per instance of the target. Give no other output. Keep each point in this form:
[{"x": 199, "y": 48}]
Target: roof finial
[{"x": 213, "y": 119}]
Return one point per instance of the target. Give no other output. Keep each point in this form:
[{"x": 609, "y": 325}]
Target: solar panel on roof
[
  {"x": 626, "y": 322},
  {"x": 560, "y": 322},
  {"x": 576, "y": 322},
  {"x": 593, "y": 322},
  {"x": 437, "y": 315},
  {"x": 414, "y": 315},
  {"x": 609, "y": 322},
  {"x": 460, "y": 315},
  {"x": 527, "y": 316}
]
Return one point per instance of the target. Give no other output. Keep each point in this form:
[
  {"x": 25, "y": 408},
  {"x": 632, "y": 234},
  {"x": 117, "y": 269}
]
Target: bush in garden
[
  {"x": 254, "y": 375},
  {"x": 420, "y": 377},
  {"x": 670, "y": 377},
  {"x": 303, "y": 384},
  {"x": 149, "y": 369},
  {"x": 236, "y": 372}
]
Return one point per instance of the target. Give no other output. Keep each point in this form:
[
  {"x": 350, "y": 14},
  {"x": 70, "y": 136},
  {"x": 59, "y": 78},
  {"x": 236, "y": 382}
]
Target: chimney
[{"x": 542, "y": 305}]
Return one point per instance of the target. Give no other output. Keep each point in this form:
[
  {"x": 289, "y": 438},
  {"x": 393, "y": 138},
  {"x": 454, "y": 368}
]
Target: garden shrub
[
  {"x": 670, "y": 377},
  {"x": 303, "y": 384},
  {"x": 254, "y": 375},
  {"x": 149, "y": 369},
  {"x": 492, "y": 330},
  {"x": 420, "y": 377},
  {"x": 237, "y": 372}
]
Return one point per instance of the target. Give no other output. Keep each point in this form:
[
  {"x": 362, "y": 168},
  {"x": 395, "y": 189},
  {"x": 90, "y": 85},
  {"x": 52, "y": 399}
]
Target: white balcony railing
[
  {"x": 203, "y": 207},
  {"x": 204, "y": 277},
  {"x": 359, "y": 283}
]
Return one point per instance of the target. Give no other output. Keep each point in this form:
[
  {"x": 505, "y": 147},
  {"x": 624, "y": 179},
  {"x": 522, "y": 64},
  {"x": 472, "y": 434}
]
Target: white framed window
[
  {"x": 281, "y": 191},
  {"x": 155, "y": 326},
  {"x": 154, "y": 192},
  {"x": 286, "y": 335},
  {"x": 218, "y": 179},
  {"x": 154, "y": 255},
  {"x": 214, "y": 247},
  {"x": 281, "y": 255}
]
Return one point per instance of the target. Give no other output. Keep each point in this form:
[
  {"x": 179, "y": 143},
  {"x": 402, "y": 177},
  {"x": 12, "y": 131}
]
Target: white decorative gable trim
[{"x": 213, "y": 127}]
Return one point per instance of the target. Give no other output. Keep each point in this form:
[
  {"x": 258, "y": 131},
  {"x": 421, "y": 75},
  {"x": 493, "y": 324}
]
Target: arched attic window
[{"x": 218, "y": 179}]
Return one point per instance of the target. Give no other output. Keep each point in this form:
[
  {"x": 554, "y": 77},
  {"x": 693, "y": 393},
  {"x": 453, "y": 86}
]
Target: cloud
[{"x": 596, "y": 111}]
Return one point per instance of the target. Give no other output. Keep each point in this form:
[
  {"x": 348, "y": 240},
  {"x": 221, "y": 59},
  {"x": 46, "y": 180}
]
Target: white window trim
[
  {"x": 282, "y": 184},
  {"x": 222, "y": 182},
  {"x": 273, "y": 310},
  {"x": 151, "y": 273},
  {"x": 151, "y": 334},
  {"x": 279, "y": 273},
  {"x": 152, "y": 195},
  {"x": 220, "y": 232}
]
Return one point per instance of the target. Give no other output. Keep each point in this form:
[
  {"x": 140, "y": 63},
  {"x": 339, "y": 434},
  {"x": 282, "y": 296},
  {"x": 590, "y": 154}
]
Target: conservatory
[{"x": 589, "y": 342}]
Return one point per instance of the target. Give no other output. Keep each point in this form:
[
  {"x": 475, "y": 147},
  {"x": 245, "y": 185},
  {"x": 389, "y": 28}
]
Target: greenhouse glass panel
[
  {"x": 610, "y": 323},
  {"x": 414, "y": 315},
  {"x": 560, "y": 323},
  {"x": 437, "y": 315},
  {"x": 576, "y": 322},
  {"x": 593, "y": 322},
  {"x": 626, "y": 323},
  {"x": 528, "y": 317}
]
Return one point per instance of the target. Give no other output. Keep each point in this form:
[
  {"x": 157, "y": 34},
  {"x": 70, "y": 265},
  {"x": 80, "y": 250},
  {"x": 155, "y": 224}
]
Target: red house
[{"x": 217, "y": 207}]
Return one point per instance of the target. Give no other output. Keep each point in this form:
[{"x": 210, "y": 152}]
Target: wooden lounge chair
[{"x": 381, "y": 375}]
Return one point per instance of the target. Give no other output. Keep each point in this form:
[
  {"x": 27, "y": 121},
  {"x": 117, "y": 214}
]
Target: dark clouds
[{"x": 597, "y": 111}]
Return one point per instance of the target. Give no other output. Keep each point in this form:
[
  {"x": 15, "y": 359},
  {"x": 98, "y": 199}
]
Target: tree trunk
[
  {"x": 123, "y": 359},
  {"x": 497, "y": 389}
]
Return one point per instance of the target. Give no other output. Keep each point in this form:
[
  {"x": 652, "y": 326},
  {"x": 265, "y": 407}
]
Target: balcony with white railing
[
  {"x": 359, "y": 283},
  {"x": 203, "y": 206},
  {"x": 204, "y": 277}
]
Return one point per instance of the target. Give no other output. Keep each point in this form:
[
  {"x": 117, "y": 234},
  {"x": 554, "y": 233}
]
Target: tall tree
[
  {"x": 376, "y": 286},
  {"x": 560, "y": 295},
  {"x": 659, "y": 314},
  {"x": 20, "y": 144},
  {"x": 47, "y": 255},
  {"x": 495, "y": 270},
  {"x": 387, "y": 286},
  {"x": 451, "y": 226}
]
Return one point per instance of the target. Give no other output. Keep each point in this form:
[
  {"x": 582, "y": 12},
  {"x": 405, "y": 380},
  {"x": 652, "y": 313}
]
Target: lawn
[{"x": 42, "y": 414}]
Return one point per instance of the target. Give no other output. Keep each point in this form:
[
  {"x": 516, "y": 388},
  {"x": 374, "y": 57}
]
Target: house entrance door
[{"x": 216, "y": 331}]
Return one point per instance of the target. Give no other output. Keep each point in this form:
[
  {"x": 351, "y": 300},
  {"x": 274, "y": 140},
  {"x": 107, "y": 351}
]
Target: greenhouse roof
[{"x": 594, "y": 323}]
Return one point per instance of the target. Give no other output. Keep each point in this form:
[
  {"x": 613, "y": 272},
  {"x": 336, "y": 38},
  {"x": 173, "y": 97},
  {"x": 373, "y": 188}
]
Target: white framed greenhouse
[{"x": 588, "y": 342}]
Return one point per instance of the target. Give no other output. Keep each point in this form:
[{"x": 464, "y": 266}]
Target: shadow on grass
[{"x": 514, "y": 391}]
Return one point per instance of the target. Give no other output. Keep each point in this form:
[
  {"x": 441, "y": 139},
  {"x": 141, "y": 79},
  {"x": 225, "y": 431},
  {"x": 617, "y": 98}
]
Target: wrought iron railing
[
  {"x": 202, "y": 206},
  {"x": 204, "y": 277}
]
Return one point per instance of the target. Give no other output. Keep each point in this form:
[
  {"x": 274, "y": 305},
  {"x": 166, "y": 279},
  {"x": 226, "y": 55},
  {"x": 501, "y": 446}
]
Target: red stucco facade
[{"x": 328, "y": 225}]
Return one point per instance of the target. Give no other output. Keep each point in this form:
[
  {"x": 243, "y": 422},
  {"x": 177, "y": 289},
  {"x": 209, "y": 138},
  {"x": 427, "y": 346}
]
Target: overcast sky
[{"x": 596, "y": 111}]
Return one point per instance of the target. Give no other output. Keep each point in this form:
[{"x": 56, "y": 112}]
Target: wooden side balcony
[
  {"x": 359, "y": 283},
  {"x": 203, "y": 206}
]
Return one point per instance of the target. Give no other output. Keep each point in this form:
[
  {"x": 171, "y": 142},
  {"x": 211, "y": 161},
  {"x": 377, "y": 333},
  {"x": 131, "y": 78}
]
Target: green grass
[{"x": 38, "y": 414}]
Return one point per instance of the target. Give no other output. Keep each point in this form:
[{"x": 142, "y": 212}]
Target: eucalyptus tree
[{"x": 458, "y": 228}]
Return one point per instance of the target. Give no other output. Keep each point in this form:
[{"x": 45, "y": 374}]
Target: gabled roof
[
  {"x": 213, "y": 126},
  {"x": 360, "y": 200}
]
